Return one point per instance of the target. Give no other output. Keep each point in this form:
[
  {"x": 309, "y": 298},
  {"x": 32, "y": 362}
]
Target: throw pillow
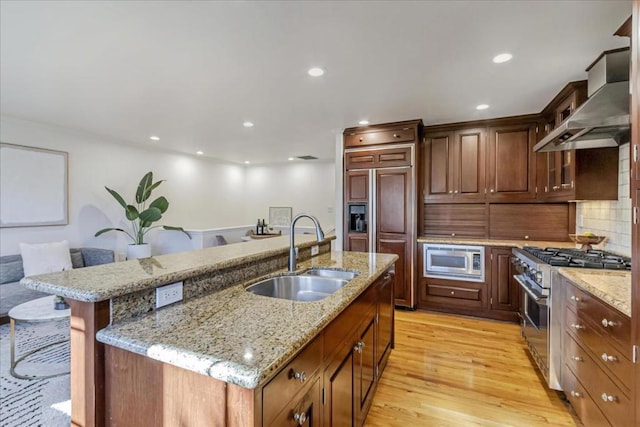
[{"x": 42, "y": 258}]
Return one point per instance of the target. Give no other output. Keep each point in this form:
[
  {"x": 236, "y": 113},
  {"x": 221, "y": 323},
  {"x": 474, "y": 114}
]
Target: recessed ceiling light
[
  {"x": 246, "y": 162},
  {"x": 503, "y": 57},
  {"x": 315, "y": 72},
  {"x": 154, "y": 138},
  {"x": 291, "y": 158},
  {"x": 482, "y": 107},
  {"x": 248, "y": 124},
  {"x": 199, "y": 153},
  {"x": 363, "y": 122}
]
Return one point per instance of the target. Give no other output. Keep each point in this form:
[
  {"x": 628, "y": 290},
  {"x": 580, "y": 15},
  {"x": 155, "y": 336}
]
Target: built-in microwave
[{"x": 454, "y": 262}]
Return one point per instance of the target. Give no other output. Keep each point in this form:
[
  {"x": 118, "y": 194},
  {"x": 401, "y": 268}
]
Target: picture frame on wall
[
  {"x": 280, "y": 216},
  {"x": 33, "y": 186}
]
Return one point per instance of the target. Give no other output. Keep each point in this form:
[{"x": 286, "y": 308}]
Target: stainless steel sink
[
  {"x": 327, "y": 272},
  {"x": 297, "y": 288}
]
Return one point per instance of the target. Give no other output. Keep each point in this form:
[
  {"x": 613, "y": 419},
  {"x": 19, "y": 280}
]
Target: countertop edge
[{"x": 576, "y": 276}]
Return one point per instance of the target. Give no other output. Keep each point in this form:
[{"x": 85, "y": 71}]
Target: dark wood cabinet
[
  {"x": 306, "y": 411},
  {"x": 504, "y": 289},
  {"x": 597, "y": 366},
  {"x": 454, "y": 165},
  {"x": 381, "y": 172},
  {"x": 524, "y": 221},
  {"x": 511, "y": 164},
  {"x": 456, "y": 220},
  {"x": 364, "y": 367}
]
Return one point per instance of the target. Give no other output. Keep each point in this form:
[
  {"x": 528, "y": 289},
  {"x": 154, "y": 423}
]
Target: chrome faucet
[{"x": 292, "y": 246}]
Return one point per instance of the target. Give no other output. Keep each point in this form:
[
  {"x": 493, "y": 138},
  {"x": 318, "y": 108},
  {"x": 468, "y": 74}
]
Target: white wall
[
  {"x": 203, "y": 193},
  {"x": 305, "y": 185},
  {"x": 611, "y": 218}
]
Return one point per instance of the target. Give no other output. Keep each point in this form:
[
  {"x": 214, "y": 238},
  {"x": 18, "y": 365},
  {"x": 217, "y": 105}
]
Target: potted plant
[{"x": 142, "y": 216}]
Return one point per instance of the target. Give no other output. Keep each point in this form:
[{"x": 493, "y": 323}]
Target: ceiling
[{"x": 193, "y": 72}]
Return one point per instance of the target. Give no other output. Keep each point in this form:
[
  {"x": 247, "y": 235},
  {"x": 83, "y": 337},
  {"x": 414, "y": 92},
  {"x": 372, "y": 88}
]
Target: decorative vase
[{"x": 138, "y": 251}]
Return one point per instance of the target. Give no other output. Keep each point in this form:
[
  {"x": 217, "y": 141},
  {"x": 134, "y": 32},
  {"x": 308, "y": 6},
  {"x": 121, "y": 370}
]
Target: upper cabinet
[
  {"x": 491, "y": 161},
  {"x": 511, "y": 163},
  {"x": 389, "y": 133},
  {"x": 587, "y": 174},
  {"x": 454, "y": 164}
]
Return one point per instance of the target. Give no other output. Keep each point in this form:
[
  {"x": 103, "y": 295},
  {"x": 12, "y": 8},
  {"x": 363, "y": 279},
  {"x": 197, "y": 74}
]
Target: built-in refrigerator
[{"x": 381, "y": 209}]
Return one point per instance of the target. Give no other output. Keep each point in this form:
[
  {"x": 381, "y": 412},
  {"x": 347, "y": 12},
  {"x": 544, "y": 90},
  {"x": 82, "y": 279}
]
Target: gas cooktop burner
[{"x": 564, "y": 257}]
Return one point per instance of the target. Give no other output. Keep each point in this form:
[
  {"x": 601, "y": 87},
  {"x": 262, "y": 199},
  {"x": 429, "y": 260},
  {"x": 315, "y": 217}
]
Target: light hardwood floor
[{"x": 448, "y": 370}]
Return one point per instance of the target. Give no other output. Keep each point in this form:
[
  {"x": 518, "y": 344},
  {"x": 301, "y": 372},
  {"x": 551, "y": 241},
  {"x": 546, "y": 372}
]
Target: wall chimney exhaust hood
[{"x": 603, "y": 120}]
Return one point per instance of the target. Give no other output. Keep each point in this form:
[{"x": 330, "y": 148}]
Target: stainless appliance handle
[
  {"x": 373, "y": 207},
  {"x": 540, "y": 299}
]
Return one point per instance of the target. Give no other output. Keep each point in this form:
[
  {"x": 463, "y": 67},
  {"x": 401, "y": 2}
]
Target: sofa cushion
[
  {"x": 14, "y": 294},
  {"x": 42, "y": 258},
  {"x": 76, "y": 258},
  {"x": 11, "y": 269}
]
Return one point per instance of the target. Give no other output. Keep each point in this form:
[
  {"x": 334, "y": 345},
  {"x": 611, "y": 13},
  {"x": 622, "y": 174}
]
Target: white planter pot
[{"x": 138, "y": 251}]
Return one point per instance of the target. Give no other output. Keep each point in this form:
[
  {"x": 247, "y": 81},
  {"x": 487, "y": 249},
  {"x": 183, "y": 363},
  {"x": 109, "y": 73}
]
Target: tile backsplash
[{"x": 611, "y": 218}]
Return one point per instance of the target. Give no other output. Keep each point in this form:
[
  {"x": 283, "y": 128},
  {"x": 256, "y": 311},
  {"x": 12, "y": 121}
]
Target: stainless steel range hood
[{"x": 603, "y": 120}]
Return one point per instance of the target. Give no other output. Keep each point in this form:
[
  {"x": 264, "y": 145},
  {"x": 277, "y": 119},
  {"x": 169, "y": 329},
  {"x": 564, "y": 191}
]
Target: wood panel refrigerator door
[
  {"x": 394, "y": 230},
  {"x": 356, "y": 191}
]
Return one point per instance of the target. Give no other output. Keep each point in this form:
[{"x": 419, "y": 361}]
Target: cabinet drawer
[
  {"x": 304, "y": 411},
  {"x": 279, "y": 391},
  {"x": 453, "y": 292},
  {"x": 606, "y": 321},
  {"x": 585, "y": 407},
  {"x": 381, "y": 137},
  {"x": 379, "y": 158}
]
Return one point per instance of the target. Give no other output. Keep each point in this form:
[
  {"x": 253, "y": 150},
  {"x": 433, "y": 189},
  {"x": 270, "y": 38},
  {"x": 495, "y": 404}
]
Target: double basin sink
[{"x": 312, "y": 285}]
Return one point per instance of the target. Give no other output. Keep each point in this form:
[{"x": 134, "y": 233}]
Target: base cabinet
[{"x": 330, "y": 382}]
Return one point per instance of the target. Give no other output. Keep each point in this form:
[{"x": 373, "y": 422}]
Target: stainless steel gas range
[{"x": 541, "y": 323}]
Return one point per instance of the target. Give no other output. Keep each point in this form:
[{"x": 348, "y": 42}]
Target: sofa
[{"x": 12, "y": 293}]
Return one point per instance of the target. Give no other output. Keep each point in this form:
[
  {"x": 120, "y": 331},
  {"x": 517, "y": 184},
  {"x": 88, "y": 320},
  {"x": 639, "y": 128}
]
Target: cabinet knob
[
  {"x": 453, "y": 293},
  {"x": 526, "y": 237},
  {"x": 300, "y": 376},
  {"x": 574, "y": 298},
  {"x": 360, "y": 139},
  {"x": 300, "y": 418},
  {"x": 455, "y": 192},
  {"x": 450, "y": 191},
  {"x": 577, "y": 327},
  {"x": 608, "y": 398},
  {"x": 556, "y": 188},
  {"x": 396, "y": 135},
  {"x": 576, "y": 393},
  {"x": 608, "y": 358},
  {"x": 607, "y": 323},
  {"x": 577, "y": 358},
  {"x": 358, "y": 347},
  {"x": 492, "y": 191},
  {"x": 453, "y": 234}
]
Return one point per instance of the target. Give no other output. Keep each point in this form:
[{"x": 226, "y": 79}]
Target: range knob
[{"x": 538, "y": 277}]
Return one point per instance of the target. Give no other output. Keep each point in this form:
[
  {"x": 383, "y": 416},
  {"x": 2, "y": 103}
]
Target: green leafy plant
[{"x": 141, "y": 216}]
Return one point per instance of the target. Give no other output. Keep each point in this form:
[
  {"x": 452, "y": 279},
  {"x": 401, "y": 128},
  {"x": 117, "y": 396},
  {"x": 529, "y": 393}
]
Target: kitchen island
[{"x": 256, "y": 359}]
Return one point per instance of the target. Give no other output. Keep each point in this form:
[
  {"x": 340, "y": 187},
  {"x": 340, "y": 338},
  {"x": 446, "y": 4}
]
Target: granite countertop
[
  {"x": 103, "y": 282},
  {"x": 236, "y": 336},
  {"x": 497, "y": 242},
  {"x": 611, "y": 286}
]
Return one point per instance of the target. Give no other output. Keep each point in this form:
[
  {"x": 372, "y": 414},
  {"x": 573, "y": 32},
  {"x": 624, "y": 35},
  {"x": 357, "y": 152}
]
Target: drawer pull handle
[
  {"x": 608, "y": 398},
  {"x": 574, "y": 298},
  {"x": 577, "y": 327},
  {"x": 397, "y": 135},
  {"x": 576, "y": 393},
  {"x": 608, "y": 358},
  {"x": 300, "y": 418},
  {"x": 300, "y": 376},
  {"x": 607, "y": 323},
  {"x": 577, "y": 358}
]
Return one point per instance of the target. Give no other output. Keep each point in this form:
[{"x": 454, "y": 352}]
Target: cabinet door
[
  {"x": 437, "y": 172},
  {"x": 357, "y": 243},
  {"x": 504, "y": 289},
  {"x": 511, "y": 164},
  {"x": 305, "y": 411},
  {"x": 338, "y": 389},
  {"x": 365, "y": 364},
  {"x": 384, "y": 337},
  {"x": 469, "y": 167}
]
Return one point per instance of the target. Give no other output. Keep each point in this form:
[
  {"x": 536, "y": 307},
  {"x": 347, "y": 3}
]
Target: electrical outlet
[
  {"x": 315, "y": 250},
  {"x": 168, "y": 294}
]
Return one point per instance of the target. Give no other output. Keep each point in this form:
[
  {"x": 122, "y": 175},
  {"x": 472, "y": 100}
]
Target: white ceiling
[{"x": 193, "y": 72}]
